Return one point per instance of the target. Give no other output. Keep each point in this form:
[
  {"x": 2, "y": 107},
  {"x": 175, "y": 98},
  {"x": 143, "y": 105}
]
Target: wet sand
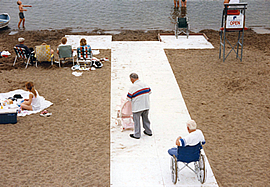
[{"x": 229, "y": 100}]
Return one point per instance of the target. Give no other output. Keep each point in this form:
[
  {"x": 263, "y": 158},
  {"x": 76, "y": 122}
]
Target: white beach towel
[
  {"x": 25, "y": 94},
  {"x": 77, "y": 74}
]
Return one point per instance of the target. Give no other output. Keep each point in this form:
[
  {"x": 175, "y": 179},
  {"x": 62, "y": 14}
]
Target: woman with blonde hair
[{"x": 33, "y": 103}]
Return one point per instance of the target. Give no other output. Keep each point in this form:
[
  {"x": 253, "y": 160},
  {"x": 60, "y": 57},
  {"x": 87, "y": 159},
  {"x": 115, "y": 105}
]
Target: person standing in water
[
  {"x": 176, "y": 2},
  {"x": 21, "y": 14},
  {"x": 183, "y": 3}
]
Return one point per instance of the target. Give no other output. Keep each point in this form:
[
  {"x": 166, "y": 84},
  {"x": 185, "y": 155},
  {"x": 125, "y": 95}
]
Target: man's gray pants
[{"x": 137, "y": 123}]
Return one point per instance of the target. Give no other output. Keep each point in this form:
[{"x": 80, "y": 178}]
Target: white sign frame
[{"x": 235, "y": 21}]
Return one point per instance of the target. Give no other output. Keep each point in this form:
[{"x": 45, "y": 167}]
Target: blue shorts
[
  {"x": 21, "y": 15},
  {"x": 173, "y": 151}
]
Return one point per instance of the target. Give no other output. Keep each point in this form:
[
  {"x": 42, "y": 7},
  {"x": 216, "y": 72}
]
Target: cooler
[{"x": 8, "y": 116}]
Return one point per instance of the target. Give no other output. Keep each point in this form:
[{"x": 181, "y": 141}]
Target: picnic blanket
[{"x": 25, "y": 94}]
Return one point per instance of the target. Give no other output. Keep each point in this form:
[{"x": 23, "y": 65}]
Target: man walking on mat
[{"x": 139, "y": 96}]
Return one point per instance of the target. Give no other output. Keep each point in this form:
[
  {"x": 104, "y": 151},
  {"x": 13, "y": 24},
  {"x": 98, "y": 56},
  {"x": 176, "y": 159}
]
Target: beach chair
[
  {"x": 233, "y": 20},
  {"x": 181, "y": 26},
  {"x": 65, "y": 52},
  {"x": 43, "y": 54},
  {"x": 21, "y": 53},
  {"x": 187, "y": 155},
  {"x": 84, "y": 54}
]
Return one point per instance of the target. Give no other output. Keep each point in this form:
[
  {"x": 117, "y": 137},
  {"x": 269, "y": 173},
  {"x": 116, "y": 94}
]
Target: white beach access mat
[
  {"x": 146, "y": 162},
  {"x": 168, "y": 41},
  {"x": 96, "y": 42},
  {"x": 192, "y": 42}
]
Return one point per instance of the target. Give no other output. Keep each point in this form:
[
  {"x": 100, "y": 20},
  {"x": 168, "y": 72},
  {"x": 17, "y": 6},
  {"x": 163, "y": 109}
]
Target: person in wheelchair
[
  {"x": 194, "y": 137},
  {"x": 189, "y": 150}
]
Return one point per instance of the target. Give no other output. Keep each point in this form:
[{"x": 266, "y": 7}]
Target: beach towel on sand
[{"x": 25, "y": 94}]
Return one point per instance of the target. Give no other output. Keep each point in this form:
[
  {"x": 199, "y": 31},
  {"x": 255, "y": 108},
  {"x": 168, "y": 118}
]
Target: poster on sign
[{"x": 235, "y": 22}]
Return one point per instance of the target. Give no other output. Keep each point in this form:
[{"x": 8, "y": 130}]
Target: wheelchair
[
  {"x": 187, "y": 155},
  {"x": 181, "y": 26}
]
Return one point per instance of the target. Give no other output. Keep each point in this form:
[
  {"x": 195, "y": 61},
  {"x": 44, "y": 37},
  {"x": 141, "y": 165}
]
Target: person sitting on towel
[{"x": 33, "y": 103}]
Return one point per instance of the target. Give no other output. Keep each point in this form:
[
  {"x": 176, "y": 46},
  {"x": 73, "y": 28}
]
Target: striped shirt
[{"x": 139, "y": 96}]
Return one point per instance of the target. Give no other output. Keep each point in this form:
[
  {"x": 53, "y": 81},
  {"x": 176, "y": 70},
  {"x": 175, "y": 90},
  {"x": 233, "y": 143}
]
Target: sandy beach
[{"x": 229, "y": 100}]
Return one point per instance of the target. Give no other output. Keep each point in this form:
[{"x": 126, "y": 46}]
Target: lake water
[{"x": 86, "y": 15}]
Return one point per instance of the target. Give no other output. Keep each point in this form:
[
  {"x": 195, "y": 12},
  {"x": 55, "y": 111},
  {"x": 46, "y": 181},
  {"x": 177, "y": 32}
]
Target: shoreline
[
  {"x": 261, "y": 30},
  {"x": 53, "y": 37},
  {"x": 103, "y": 31},
  {"x": 117, "y": 31}
]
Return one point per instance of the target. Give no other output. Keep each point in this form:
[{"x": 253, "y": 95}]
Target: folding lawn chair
[
  {"x": 21, "y": 53},
  {"x": 181, "y": 26},
  {"x": 84, "y": 54},
  {"x": 43, "y": 54},
  {"x": 65, "y": 52}
]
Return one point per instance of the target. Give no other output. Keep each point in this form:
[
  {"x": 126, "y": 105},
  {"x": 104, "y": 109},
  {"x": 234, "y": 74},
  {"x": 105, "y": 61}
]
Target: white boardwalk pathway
[{"x": 145, "y": 162}]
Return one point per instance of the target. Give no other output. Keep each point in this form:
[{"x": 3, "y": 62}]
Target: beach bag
[
  {"x": 17, "y": 96},
  {"x": 97, "y": 64}
]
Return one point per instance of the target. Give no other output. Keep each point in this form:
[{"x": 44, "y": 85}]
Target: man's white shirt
[
  {"x": 139, "y": 96},
  {"x": 192, "y": 138}
]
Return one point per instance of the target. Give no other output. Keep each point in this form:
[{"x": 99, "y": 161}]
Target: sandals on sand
[
  {"x": 45, "y": 113},
  {"x": 104, "y": 59}
]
